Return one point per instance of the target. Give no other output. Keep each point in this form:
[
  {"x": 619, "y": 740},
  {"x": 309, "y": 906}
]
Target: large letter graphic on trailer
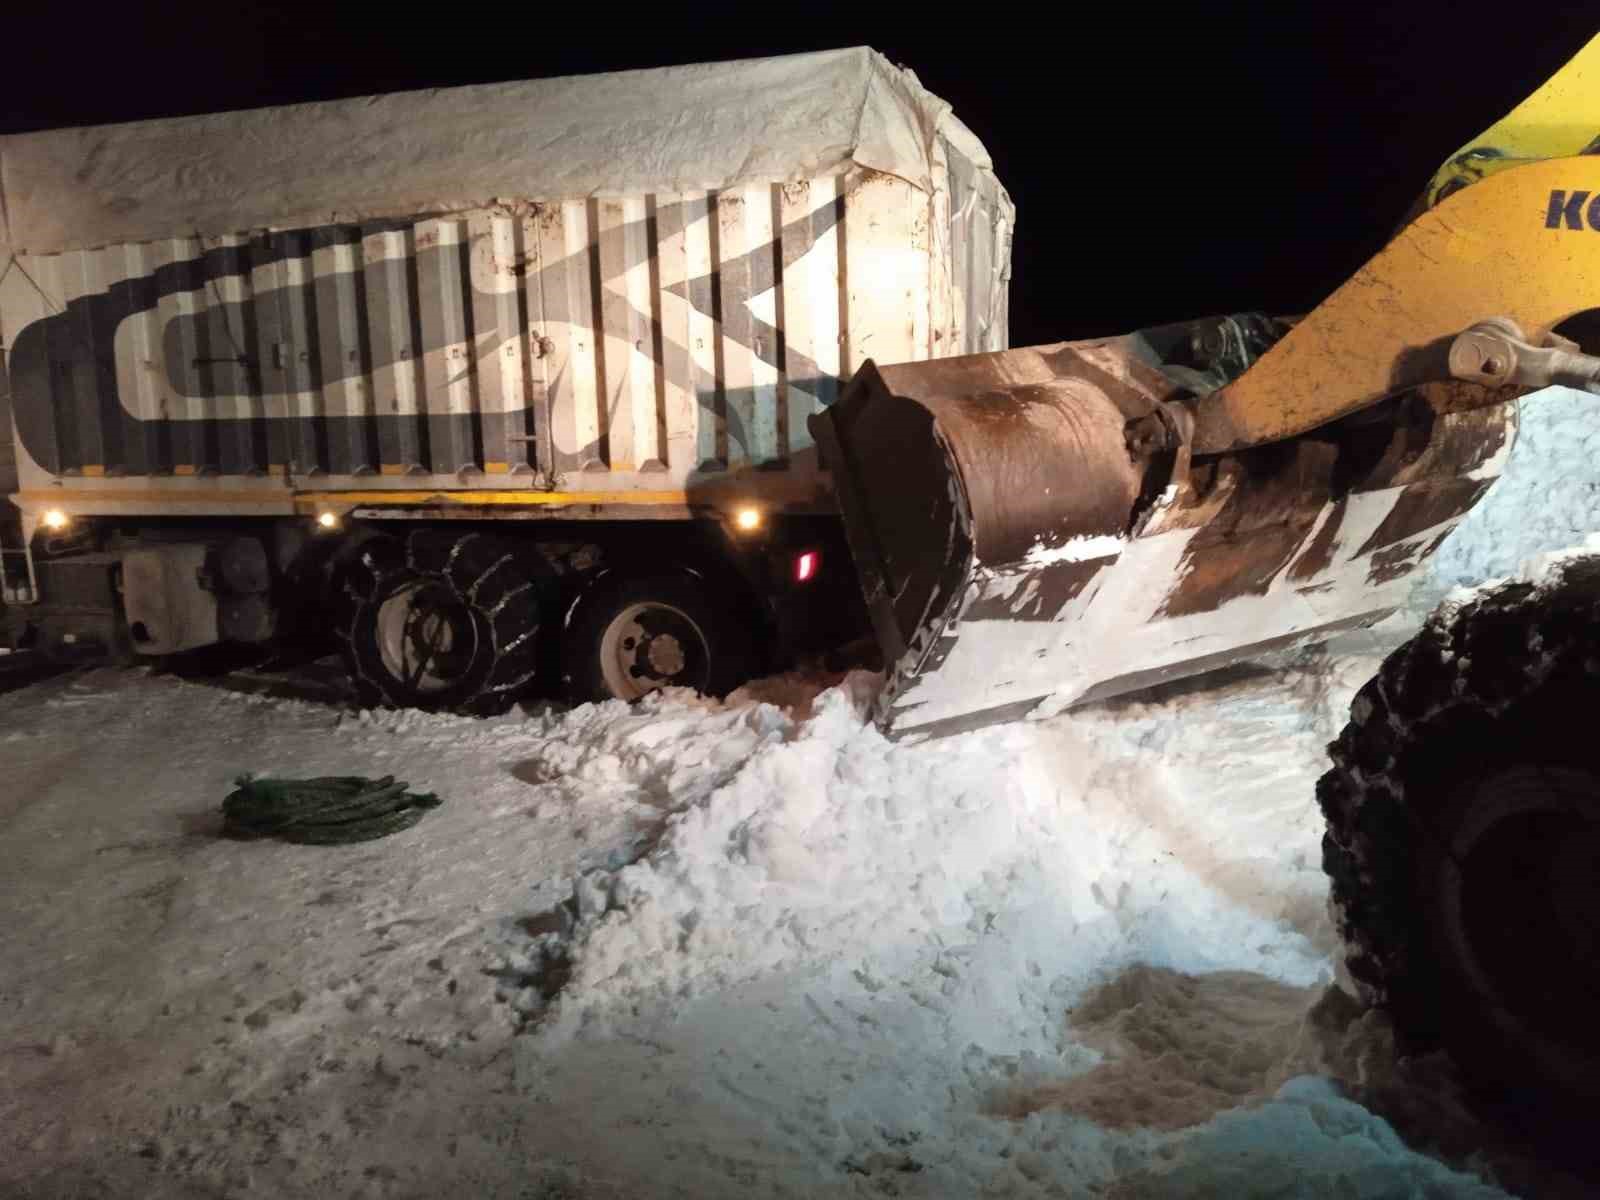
[{"x": 70, "y": 413}]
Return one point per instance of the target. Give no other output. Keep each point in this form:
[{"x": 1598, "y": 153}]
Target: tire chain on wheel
[
  {"x": 1428, "y": 719},
  {"x": 504, "y": 581}
]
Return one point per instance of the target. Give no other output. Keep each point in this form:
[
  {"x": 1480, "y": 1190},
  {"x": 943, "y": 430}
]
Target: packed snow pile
[
  {"x": 1538, "y": 517},
  {"x": 1092, "y": 950},
  {"x": 829, "y": 849},
  {"x": 1547, "y": 498}
]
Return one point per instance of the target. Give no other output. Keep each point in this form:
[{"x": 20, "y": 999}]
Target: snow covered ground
[{"x": 699, "y": 949}]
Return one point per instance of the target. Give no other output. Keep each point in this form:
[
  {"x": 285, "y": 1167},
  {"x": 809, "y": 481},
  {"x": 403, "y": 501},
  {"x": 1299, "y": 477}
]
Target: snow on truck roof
[{"x": 704, "y": 127}]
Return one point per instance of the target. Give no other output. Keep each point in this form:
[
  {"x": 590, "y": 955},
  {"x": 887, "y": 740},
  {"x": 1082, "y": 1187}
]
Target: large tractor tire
[
  {"x": 635, "y": 636},
  {"x": 443, "y": 622},
  {"x": 1463, "y": 838}
]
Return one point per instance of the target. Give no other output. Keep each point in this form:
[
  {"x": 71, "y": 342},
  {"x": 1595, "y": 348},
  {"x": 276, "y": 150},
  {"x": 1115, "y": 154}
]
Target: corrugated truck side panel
[{"x": 646, "y": 344}]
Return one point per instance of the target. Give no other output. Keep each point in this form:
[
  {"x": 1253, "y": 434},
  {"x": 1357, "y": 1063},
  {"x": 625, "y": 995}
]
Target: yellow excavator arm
[
  {"x": 1560, "y": 120},
  {"x": 1472, "y": 290}
]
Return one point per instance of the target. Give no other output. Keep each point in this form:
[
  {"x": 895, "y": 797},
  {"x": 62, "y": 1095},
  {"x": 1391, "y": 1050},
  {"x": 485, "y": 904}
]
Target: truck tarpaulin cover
[{"x": 701, "y": 127}]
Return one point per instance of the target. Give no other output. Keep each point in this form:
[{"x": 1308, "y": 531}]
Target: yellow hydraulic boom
[{"x": 1511, "y": 234}]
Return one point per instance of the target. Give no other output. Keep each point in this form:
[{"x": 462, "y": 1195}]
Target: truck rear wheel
[
  {"x": 442, "y": 622},
  {"x": 664, "y": 631},
  {"x": 1463, "y": 837}
]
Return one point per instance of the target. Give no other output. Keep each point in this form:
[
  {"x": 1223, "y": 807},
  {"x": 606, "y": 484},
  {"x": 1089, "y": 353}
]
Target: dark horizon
[{"x": 1164, "y": 166}]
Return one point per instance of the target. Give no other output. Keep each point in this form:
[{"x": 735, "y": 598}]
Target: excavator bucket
[
  {"x": 1028, "y": 541},
  {"x": 1039, "y": 528}
]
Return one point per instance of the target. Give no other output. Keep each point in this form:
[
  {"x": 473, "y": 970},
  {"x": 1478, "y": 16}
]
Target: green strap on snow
[{"x": 329, "y": 810}]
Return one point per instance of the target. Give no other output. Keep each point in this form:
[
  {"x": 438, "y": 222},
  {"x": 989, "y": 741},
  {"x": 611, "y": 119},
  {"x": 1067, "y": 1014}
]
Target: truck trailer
[{"x": 505, "y": 386}]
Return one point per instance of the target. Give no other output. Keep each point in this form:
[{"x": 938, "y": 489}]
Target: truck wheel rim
[
  {"x": 1521, "y": 906},
  {"x": 648, "y": 646},
  {"x": 426, "y": 637}
]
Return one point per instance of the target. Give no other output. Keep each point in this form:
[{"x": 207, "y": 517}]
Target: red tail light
[{"x": 806, "y": 566}]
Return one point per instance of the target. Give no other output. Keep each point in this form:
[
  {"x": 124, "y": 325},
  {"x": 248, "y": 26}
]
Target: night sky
[{"x": 1230, "y": 157}]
